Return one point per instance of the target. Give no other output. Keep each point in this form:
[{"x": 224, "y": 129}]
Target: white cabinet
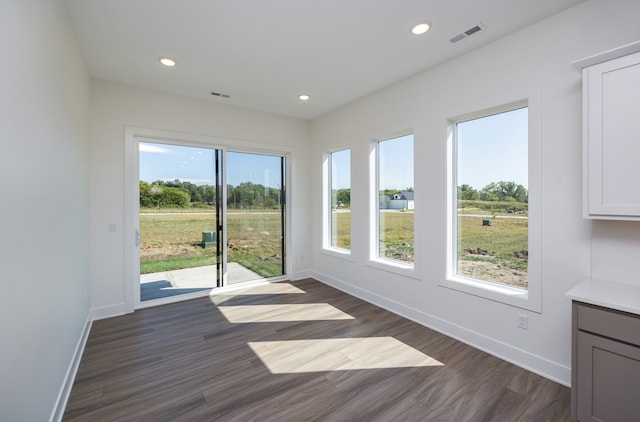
[{"x": 611, "y": 134}]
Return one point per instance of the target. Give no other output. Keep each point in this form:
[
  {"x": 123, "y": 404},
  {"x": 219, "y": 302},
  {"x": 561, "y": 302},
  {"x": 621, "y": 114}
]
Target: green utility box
[{"x": 209, "y": 239}]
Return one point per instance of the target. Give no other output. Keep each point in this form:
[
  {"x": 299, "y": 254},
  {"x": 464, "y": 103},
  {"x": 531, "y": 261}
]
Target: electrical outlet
[{"x": 523, "y": 321}]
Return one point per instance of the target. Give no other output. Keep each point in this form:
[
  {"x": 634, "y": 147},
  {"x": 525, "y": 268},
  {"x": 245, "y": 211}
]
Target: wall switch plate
[{"x": 523, "y": 321}]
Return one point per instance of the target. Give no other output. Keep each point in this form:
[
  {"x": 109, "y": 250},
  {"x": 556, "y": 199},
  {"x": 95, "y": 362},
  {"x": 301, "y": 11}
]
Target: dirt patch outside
[{"x": 494, "y": 272}]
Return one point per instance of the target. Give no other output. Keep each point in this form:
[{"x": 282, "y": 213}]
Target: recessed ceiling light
[
  {"x": 168, "y": 62},
  {"x": 420, "y": 28},
  {"x": 304, "y": 97}
]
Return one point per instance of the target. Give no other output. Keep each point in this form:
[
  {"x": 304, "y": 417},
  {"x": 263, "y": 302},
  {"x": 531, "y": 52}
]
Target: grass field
[
  {"x": 173, "y": 241},
  {"x": 396, "y": 237},
  {"x": 504, "y": 242},
  {"x": 341, "y": 229},
  {"x": 498, "y": 252}
]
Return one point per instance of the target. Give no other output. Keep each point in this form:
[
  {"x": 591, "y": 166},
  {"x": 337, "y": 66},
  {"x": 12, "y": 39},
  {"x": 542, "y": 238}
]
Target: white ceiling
[{"x": 264, "y": 53}]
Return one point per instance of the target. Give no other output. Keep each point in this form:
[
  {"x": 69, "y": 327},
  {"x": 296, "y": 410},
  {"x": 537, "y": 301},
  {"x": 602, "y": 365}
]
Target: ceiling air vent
[{"x": 469, "y": 32}]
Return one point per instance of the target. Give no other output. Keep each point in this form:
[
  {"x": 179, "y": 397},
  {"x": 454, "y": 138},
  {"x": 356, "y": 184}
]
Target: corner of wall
[{"x": 72, "y": 370}]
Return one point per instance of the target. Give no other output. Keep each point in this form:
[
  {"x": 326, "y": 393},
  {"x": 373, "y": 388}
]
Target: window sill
[
  {"x": 338, "y": 253},
  {"x": 512, "y": 296},
  {"x": 396, "y": 267}
]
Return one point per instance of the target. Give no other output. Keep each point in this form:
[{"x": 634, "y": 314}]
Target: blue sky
[
  {"x": 196, "y": 165},
  {"x": 395, "y": 163},
  {"x": 494, "y": 149},
  {"x": 490, "y": 149},
  {"x": 259, "y": 169},
  {"x": 341, "y": 169},
  {"x": 168, "y": 162}
]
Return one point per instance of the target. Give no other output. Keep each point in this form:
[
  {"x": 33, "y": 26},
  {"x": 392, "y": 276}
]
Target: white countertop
[{"x": 611, "y": 294}]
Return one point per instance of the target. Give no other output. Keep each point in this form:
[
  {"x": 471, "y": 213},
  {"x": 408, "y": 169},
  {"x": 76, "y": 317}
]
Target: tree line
[
  {"x": 343, "y": 196},
  {"x": 248, "y": 195},
  {"x": 182, "y": 194},
  {"x": 495, "y": 191}
]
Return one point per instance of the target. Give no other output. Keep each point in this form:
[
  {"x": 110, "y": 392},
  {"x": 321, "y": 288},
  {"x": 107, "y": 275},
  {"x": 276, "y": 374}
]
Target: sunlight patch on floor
[
  {"x": 339, "y": 354},
  {"x": 279, "y": 288},
  {"x": 242, "y": 314},
  {"x": 265, "y": 289}
]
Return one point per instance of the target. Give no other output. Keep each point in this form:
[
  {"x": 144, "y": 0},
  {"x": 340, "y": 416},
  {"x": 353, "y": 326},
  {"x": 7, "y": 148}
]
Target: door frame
[{"x": 131, "y": 232}]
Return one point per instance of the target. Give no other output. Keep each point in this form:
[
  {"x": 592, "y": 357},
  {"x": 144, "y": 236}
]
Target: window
[
  {"x": 492, "y": 201},
  {"x": 340, "y": 199},
  {"x": 494, "y": 224},
  {"x": 395, "y": 201}
]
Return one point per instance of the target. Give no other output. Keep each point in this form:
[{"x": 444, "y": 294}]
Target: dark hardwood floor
[{"x": 298, "y": 351}]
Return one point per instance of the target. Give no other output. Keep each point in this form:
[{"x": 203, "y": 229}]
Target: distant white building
[{"x": 397, "y": 201}]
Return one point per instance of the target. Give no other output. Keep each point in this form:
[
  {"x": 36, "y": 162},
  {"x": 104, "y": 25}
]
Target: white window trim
[
  {"x": 375, "y": 261},
  {"x": 327, "y": 247},
  {"x": 530, "y": 299}
]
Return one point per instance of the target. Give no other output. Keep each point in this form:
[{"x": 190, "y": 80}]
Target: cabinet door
[
  {"x": 608, "y": 380},
  {"x": 612, "y": 138}
]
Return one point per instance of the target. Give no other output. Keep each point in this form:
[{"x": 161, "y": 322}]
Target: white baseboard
[
  {"x": 299, "y": 275},
  {"x": 109, "y": 311},
  {"x": 536, "y": 364},
  {"x": 65, "y": 391}
]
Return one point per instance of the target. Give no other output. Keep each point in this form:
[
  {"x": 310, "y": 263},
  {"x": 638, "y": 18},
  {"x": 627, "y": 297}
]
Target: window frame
[
  {"x": 327, "y": 246},
  {"x": 132, "y": 136},
  {"x": 395, "y": 266},
  {"x": 531, "y": 298}
]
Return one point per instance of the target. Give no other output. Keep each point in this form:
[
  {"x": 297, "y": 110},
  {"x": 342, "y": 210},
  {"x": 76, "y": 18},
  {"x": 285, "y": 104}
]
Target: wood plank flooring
[{"x": 299, "y": 351}]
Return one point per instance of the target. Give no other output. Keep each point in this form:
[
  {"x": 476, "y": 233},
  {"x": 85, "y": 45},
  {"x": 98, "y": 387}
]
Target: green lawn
[
  {"x": 341, "y": 229},
  {"x": 396, "y": 235},
  {"x": 173, "y": 240},
  {"x": 504, "y": 242},
  {"x": 175, "y": 263}
]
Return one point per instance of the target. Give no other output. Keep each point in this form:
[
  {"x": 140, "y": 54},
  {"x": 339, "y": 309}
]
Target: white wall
[
  {"x": 53, "y": 201},
  {"x": 115, "y": 106},
  {"x": 536, "y": 59},
  {"x": 44, "y": 206},
  {"x": 615, "y": 251}
]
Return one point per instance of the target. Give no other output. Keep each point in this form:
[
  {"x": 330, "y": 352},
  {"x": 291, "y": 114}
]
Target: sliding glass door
[
  {"x": 255, "y": 216},
  {"x": 197, "y": 234},
  {"x": 179, "y": 220}
]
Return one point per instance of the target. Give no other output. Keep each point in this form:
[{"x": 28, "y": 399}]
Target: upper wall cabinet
[{"x": 611, "y": 133}]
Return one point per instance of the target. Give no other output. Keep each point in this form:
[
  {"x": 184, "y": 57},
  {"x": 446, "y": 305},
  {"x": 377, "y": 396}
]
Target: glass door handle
[{"x": 138, "y": 238}]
